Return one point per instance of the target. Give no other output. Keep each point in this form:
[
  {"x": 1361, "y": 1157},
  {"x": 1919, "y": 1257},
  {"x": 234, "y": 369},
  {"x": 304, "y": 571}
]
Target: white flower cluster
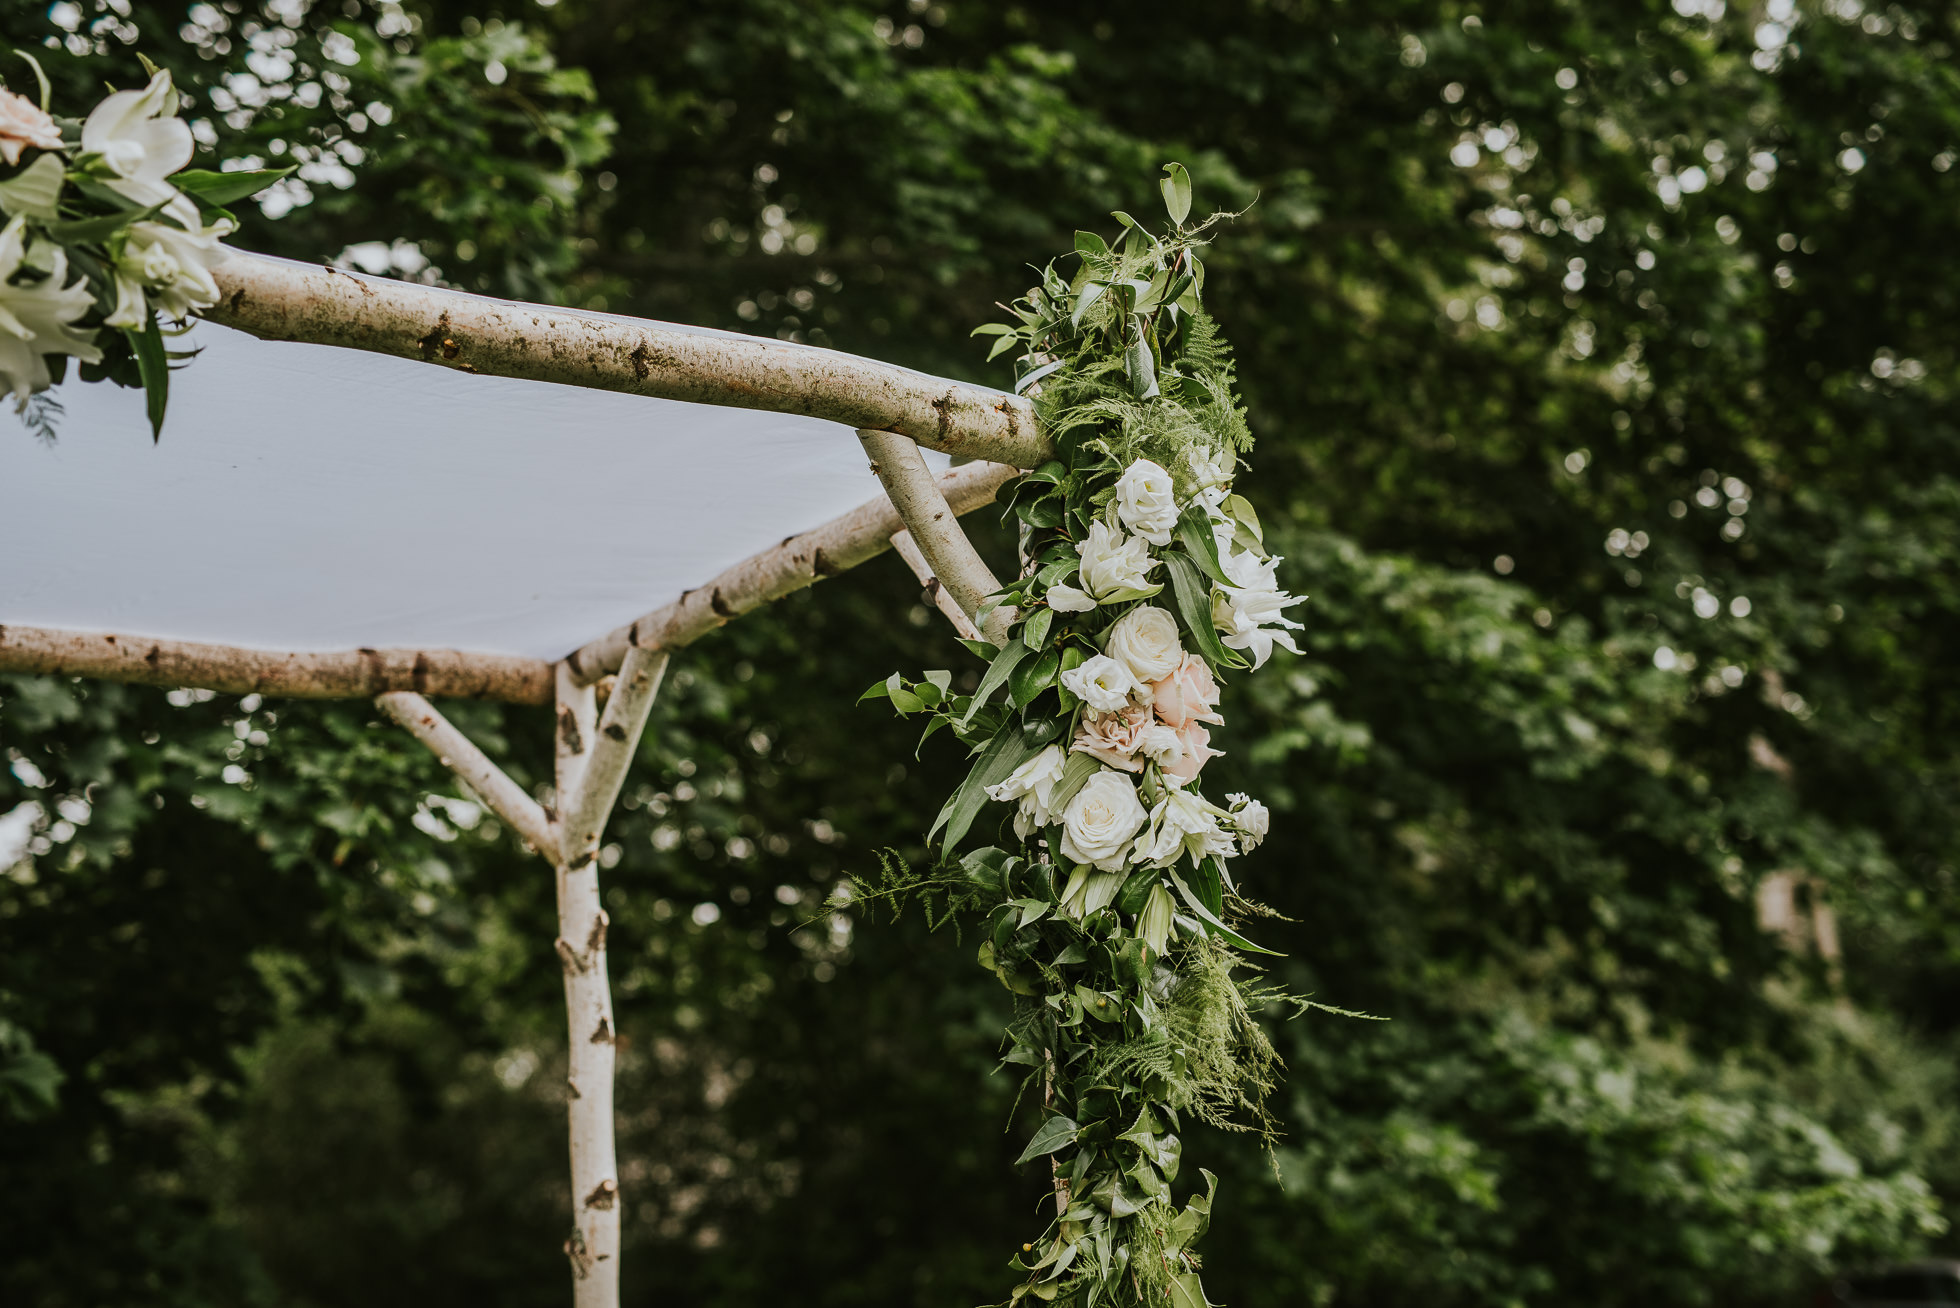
[
  {"x": 1249, "y": 611},
  {"x": 1147, "y": 704},
  {"x": 131, "y": 143}
]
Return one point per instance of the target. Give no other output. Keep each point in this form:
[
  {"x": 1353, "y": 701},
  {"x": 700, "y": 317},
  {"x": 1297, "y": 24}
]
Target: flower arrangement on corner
[
  {"x": 1108, "y": 904},
  {"x": 108, "y": 237}
]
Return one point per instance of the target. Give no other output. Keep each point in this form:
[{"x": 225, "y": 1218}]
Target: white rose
[
  {"x": 1211, "y": 475},
  {"x": 1184, "y": 822},
  {"x": 1115, "y": 566},
  {"x": 1033, "y": 784},
  {"x": 1145, "y": 501},
  {"x": 141, "y": 142},
  {"x": 1100, "y": 822},
  {"x": 1252, "y": 819},
  {"x": 1144, "y": 640},
  {"x": 1100, "y": 682}
]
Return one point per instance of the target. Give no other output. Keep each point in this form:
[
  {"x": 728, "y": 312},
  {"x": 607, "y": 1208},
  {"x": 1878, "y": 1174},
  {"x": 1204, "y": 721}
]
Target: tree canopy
[{"x": 1601, "y": 367}]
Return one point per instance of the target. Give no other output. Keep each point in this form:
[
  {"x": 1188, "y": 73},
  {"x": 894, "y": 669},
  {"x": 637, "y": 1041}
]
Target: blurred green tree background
[{"x": 1602, "y": 360}]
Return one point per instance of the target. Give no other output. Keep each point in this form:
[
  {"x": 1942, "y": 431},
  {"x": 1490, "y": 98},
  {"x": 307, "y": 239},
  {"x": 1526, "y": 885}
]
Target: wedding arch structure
[{"x": 376, "y": 489}]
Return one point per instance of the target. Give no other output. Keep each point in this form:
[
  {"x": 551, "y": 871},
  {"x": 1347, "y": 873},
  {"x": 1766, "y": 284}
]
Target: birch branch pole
[
  {"x": 935, "y": 528},
  {"x": 908, "y": 549},
  {"x": 837, "y": 546},
  {"x": 460, "y": 755},
  {"x": 275, "y": 299},
  {"x": 230, "y": 670}
]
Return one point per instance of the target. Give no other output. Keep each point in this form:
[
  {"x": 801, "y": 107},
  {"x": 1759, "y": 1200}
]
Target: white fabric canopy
[{"x": 312, "y": 498}]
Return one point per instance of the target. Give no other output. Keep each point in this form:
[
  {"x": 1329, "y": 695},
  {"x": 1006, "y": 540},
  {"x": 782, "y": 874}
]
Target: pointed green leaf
[
  {"x": 998, "y": 671},
  {"x": 1218, "y": 928},
  {"x": 1055, "y": 1134},
  {"x": 1194, "y": 606},
  {"x": 226, "y": 188},
  {"x": 1177, "y": 192},
  {"x": 154, "y": 367},
  {"x": 1194, "y": 530}
]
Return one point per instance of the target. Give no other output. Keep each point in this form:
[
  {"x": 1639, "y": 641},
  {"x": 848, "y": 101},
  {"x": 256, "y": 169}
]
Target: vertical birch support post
[{"x": 592, "y": 757}]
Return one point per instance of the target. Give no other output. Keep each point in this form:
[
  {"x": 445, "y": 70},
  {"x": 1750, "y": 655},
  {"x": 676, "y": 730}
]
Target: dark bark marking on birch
[
  {"x": 596, "y": 942},
  {"x": 434, "y": 340},
  {"x": 155, "y": 657},
  {"x": 943, "y": 406},
  {"x": 419, "y": 675},
  {"x": 821, "y": 565},
  {"x": 642, "y": 360},
  {"x": 616, "y": 731},
  {"x": 719, "y": 605},
  {"x": 603, "y": 1194},
  {"x": 568, "y": 732},
  {"x": 603, "y": 1034}
]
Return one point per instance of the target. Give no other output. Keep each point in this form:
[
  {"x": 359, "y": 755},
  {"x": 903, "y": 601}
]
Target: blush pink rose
[
  {"x": 1197, "y": 751},
  {"x": 1113, "y": 737},
  {"x": 23, "y": 124},
  {"x": 1188, "y": 695}
]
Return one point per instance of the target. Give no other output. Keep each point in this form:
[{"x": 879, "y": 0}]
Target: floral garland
[
  {"x": 1109, "y": 913},
  {"x": 107, "y": 235}
]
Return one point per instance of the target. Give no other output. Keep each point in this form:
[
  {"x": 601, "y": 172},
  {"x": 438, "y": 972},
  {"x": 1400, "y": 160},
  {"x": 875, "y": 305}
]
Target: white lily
[
  {"x": 38, "y": 319},
  {"x": 1184, "y": 822},
  {"x": 172, "y": 265},
  {"x": 141, "y": 141}
]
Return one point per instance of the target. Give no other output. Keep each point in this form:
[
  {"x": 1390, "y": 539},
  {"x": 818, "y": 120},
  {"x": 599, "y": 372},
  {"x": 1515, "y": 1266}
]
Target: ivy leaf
[{"x": 1055, "y": 1134}]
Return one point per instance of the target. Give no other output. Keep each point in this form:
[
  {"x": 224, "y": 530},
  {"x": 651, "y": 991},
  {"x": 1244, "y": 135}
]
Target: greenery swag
[{"x": 1109, "y": 907}]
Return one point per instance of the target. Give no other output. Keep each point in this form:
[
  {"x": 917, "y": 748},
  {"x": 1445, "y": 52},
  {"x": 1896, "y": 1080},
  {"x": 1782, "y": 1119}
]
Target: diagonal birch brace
[
  {"x": 460, "y": 755},
  {"x": 837, "y": 546},
  {"x": 908, "y": 549},
  {"x": 935, "y": 527}
]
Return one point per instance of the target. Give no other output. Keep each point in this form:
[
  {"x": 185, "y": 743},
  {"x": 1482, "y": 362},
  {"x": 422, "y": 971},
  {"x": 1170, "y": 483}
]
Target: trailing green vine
[{"x": 1106, "y": 903}]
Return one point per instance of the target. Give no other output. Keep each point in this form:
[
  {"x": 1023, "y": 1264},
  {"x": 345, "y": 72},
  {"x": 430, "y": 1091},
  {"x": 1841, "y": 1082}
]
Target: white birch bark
[
  {"x": 908, "y": 549},
  {"x": 460, "y": 755},
  {"x": 842, "y": 543},
  {"x": 341, "y": 674},
  {"x": 593, "y": 1246},
  {"x": 935, "y": 528},
  {"x": 280, "y": 300}
]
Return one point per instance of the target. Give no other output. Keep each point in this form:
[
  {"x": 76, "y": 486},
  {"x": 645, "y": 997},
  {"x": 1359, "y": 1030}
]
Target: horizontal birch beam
[
  {"x": 837, "y": 546},
  {"x": 278, "y": 300},
  {"x": 840, "y": 544},
  {"x": 342, "y": 674}
]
